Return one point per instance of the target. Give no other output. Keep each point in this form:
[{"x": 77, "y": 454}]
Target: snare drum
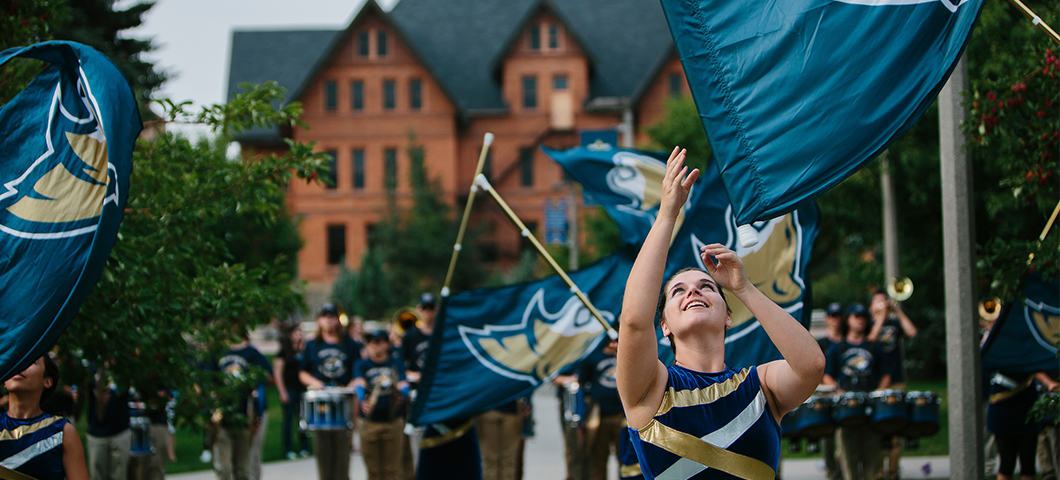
[
  {"x": 328, "y": 409},
  {"x": 890, "y": 413},
  {"x": 573, "y": 405},
  {"x": 923, "y": 414},
  {"x": 140, "y": 427},
  {"x": 815, "y": 417},
  {"x": 851, "y": 409}
]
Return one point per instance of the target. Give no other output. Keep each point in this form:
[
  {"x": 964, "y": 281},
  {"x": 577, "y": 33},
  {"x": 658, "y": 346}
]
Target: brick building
[{"x": 532, "y": 72}]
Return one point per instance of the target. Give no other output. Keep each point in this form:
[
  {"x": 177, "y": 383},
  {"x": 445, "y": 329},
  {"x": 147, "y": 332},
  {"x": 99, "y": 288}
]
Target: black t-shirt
[
  {"x": 826, "y": 344},
  {"x": 292, "y": 364},
  {"x": 238, "y": 362},
  {"x": 414, "y": 349},
  {"x": 329, "y": 362},
  {"x": 889, "y": 341},
  {"x": 116, "y": 412},
  {"x": 855, "y": 367},
  {"x": 382, "y": 379},
  {"x": 598, "y": 379}
]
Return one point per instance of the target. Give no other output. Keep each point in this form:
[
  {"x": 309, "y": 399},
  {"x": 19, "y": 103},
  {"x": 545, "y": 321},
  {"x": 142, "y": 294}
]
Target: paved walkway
[{"x": 544, "y": 457}]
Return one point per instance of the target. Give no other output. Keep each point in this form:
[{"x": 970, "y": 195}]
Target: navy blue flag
[
  {"x": 1026, "y": 335},
  {"x": 797, "y": 95},
  {"x": 493, "y": 345},
  {"x": 627, "y": 183},
  {"x": 65, "y": 156}
]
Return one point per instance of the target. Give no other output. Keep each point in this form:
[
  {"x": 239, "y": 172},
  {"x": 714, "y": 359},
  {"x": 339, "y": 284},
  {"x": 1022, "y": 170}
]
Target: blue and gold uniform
[
  {"x": 33, "y": 446},
  {"x": 710, "y": 425}
]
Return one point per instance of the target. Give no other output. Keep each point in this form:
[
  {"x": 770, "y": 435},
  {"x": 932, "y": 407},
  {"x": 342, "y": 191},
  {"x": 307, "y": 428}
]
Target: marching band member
[
  {"x": 606, "y": 421},
  {"x": 34, "y": 443},
  {"x": 853, "y": 366},
  {"x": 381, "y": 389},
  {"x": 890, "y": 327},
  {"x": 328, "y": 362},
  {"x": 700, "y": 417},
  {"x": 833, "y": 318}
]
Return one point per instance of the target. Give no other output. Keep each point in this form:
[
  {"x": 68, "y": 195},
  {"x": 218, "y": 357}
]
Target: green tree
[
  {"x": 194, "y": 264},
  {"x": 26, "y": 23},
  {"x": 98, "y": 24},
  {"x": 681, "y": 125}
]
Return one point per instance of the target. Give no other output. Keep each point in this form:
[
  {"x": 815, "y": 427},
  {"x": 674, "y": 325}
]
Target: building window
[
  {"x": 388, "y": 94},
  {"x": 357, "y": 95},
  {"x": 559, "y": 82},
  {"x": 358, "y": 169},
  {"x": 535, "y": 38},
  {"x": 336, "y": 244},
  {"x": 415, "y": 94},
  {"x": 362, "y": 44},
  {"x": 553, "y": 36},
  {"x": 380, "y": 44},
  {"x": 675, "y": 85},
  {"x": 526, "y": 166},
  {"x": 529, "y": 92},
  {"x": 390, "y": 168},
  {"x": 331, "y": 96},
  {"x": 333, "y": 167}
]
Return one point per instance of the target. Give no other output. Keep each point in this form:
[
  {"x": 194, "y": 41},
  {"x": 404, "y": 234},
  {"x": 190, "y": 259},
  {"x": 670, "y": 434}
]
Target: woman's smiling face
[{"x": 692, "y": 297}]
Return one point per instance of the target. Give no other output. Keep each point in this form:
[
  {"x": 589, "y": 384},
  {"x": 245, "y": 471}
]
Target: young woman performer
[
  {"x": 35, "y": 443},
  {"x": 700, "y": 418}
]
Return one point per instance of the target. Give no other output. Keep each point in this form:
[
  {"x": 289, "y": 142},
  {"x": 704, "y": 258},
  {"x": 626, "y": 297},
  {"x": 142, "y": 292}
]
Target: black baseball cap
[
  {"x": 328, "y": 309},
  {"x": 857, "y": 309},
  {"x": 834, "y": 309},
  {"x": 427, "y": 300},
  {"x": 374, "y": 334}
]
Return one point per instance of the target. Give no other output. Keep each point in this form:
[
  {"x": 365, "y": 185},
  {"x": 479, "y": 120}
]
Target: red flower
[
  {"x": 25, "y": 23},
  {"x": 1041, "y": 113},
  {"x": 991, "y": 96}
]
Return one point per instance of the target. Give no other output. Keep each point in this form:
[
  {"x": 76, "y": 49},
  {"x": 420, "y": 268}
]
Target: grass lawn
[{"x": 935, "y": 445}]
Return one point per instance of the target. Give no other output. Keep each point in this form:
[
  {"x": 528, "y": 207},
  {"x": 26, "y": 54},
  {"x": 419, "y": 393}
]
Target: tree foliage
[
  {"x": 1015, "y": 143},
  {"x": 205, "y": 252}
]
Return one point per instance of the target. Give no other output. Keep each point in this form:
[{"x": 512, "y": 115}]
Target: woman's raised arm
[{"x": 641, "y": 376}]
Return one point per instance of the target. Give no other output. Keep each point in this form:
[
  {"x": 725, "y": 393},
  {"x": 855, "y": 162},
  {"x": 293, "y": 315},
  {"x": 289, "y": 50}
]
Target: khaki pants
[
  {"x": 333, "y": 453},
  {"x": 602, "y": 433},
  {"x": 257, "y": 443},
  {"x": 859, "y": 452},
  {"x": 499, "y": 435},
  {"x": 891, "y": 454},
  {"x": 382, "y": 445},
  {"x": 1049, "y": 451},
  {"x": 231, "y": 454},
  {"x": 108, "y": 457},
  {"x": 153, "y": 466}
]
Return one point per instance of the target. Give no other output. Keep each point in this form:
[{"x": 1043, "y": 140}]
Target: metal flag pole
[
  {"x": 483, "y": 183},
  {"x": 487, "y": 140},
  {"x": 1036, "y": 20}
]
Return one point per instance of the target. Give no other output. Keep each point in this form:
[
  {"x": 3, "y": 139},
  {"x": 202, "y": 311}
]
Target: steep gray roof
[
  {"x": 462, "y": 41},
  {"x": 283, "y": 56}
]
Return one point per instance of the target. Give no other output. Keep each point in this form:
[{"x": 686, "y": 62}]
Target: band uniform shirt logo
[
  {"x": 234, "y": 366},
  {"x": 535, "y": 349},
  {"x": 332, "y": 362},
  {"x": 856, "y": 369},
  {"x": 63, "y": 191}
]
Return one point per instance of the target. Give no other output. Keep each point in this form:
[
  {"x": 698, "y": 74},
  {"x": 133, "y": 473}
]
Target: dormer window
[
  {"x": 362, "y": 44},
  {"x": 535, "y": 38},
  {"x": 381, "y": 44},
  {"x": 553, "y": 36}
]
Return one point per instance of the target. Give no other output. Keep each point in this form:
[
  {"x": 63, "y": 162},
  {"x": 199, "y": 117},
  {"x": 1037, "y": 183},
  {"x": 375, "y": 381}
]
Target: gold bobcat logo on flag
[{"x": 541, "y": 345}]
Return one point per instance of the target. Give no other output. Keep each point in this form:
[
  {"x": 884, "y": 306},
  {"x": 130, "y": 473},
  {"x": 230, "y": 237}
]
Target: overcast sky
[{"x": 194, "y": 36}]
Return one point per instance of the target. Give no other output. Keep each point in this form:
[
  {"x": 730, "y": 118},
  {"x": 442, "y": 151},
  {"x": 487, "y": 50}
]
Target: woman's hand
[
  {"x": 677, "y": 182},
  {"x": 728, "y": 270}
]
